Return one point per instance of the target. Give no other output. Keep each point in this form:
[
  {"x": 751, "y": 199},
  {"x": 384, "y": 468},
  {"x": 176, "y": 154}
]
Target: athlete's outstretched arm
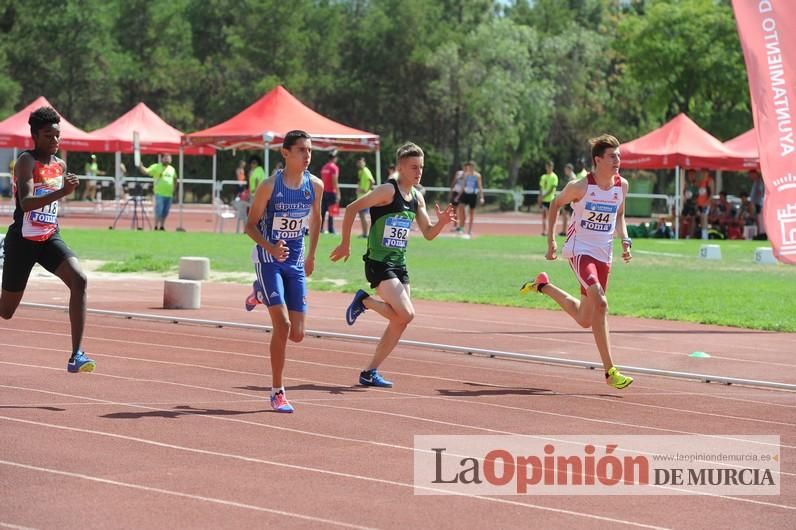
[
  {"x": 23, "y": 172},
  {"x": 574, "y": 191},
  {"x": 380, "y": 196},
  {"x": 444, "y": 217}
]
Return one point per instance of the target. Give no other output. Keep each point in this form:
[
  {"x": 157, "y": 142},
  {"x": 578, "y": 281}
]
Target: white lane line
[
  {"x": 442, "y": 363},
  {"x": 173, "y": 493},
  {"x": 294, "y": 467},
  {"x": 617, "y": 346},
  {"x": 407, "y": 374}
]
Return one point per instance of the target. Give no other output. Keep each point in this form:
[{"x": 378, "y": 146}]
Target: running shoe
[
  {"x": 536, "y": 285},
  {"x": 80, "y": 363},
  {"x": 373, "y": 378},
  {"x": 252, "y": 300},
  {"x": 616, "y": 379},
  {"x": 356, "y": 307},
  {"x": 280, "y": 403}
]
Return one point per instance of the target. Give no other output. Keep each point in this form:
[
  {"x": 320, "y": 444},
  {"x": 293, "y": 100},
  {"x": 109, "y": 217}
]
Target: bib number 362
[{"x": 396, "y": 232}]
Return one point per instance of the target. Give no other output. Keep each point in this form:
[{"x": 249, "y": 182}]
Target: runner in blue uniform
[{"x": 285, "y": 208}]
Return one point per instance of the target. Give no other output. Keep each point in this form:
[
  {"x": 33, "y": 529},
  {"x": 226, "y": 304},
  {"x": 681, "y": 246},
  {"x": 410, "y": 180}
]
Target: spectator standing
[
  {"x": 756, "y": 196},
  {"x": 547, "y": 192},
  {"x": 365, "y": 182},
  {"x": 566, "y": 211},
  {"x": 256, "y": 174},
  {"x": 164, "y": 178},
  {"x": 330, "y": 174}
]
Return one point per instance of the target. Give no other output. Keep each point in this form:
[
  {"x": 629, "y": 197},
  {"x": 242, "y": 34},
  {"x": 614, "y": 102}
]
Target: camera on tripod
[
  {"x": 135, "y": 190},
  {"x": 135, "y": 199}
]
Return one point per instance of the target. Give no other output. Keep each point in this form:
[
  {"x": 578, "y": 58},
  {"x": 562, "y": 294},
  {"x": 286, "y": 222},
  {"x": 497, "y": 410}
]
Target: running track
[{"x": 174, "y": 430}]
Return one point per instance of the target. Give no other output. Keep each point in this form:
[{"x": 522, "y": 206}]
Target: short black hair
[
  {"x": 255, "y": 158},
  {"x": 292, "y": 137},
  {"x": 41, "y": 118}
]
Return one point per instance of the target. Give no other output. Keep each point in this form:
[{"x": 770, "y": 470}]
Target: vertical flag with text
[{"x": 767, "y": 29}]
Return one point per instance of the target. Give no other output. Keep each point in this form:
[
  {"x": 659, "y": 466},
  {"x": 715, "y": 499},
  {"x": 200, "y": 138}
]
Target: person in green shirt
[
  {"x": 581, "y": 169},
  {"x": 547, "y": 191},
  {"x": 365, "y": 182},
  {"x": 164, "y": 178},
  {"x": 91, "y": 171},
  {"x": 256, "y": 174},
  {"x": 393, "y": 207}
]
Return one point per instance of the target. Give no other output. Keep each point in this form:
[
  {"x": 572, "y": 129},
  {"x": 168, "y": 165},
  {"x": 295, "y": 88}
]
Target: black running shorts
[
  {"x": 22, "y": 254},
  {"x": 376, "y": 272}
]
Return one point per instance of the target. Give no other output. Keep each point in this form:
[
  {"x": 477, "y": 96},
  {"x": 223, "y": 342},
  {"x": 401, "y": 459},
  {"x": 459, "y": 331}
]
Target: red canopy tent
[
  {"x": 15, "y": 131},
  {"x": 745, "y": 146},
  {"x": 680, "y": 143},
  {"x": 156, "y": 136},
  {"x": 264, "y": 123}
]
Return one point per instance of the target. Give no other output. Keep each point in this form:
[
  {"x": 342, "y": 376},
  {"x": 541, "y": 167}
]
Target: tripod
[{"x": 139, "y": 214}]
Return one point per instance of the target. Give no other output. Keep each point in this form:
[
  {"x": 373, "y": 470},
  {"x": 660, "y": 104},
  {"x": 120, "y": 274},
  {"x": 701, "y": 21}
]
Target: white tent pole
[
  {"x": 378, "y": 166},
  {"x": 118, "y": 180},
  {"x": 266, "y": 161},
  {"x": 678, "y": 193},
  {"x": 215, "y": 193},
  {"x": 180, "y": 227}
]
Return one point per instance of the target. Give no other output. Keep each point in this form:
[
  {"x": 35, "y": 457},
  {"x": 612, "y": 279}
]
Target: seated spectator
[
  {"x": 720, "y": 214},
  {"x": 747, "y": 214}
]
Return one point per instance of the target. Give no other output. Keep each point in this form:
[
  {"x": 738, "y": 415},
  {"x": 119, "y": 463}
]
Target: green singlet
[{"x": 390, "y": 227}]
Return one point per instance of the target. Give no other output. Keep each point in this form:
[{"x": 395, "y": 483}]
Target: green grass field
[{"x": 666, "y": 279}]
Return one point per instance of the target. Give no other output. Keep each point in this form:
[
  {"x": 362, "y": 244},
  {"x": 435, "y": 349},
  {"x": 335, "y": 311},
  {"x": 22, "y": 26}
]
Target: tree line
[{"x": 508, "y": 83}]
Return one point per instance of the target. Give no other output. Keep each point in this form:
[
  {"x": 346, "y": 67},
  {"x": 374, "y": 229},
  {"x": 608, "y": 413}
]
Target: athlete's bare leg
[
  {"x": 581, "y": 310},
  {"x": 397, "y": 308},
  {"x": 72, "y": 275},
  {"x": 280, "y": 320},
  {"x": 590, "y": 311},
  {"x": 9, "y": 302}
]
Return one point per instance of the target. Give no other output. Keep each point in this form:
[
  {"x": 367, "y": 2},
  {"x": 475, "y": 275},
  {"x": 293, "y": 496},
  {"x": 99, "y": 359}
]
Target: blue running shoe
[
  {"x": 80, "y": 363},
  {"x": 356, "y": 307},
  {"x": 373, "y": 378},
  {"x": 254, "y": 298}
]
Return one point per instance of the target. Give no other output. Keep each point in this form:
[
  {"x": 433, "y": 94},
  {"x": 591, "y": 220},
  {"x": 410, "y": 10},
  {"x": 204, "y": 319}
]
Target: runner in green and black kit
[
  {"x": 393, "y": 208},
  {"x": 389, "y": 237}
]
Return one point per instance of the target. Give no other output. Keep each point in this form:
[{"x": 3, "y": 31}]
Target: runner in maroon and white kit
[{"x": 598, "y": 204}]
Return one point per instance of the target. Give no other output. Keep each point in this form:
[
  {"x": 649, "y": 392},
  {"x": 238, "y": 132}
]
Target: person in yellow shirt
[
  {"x": 92, "y": 170},
  {"x": 547, "y": 191},
  {"x": 164, "y": 178},
  {"x": 256, "y": 174}
]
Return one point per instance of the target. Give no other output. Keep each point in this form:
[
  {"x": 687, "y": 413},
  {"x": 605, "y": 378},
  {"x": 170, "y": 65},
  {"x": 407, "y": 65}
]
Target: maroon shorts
[{"x": 590, "y": 271}]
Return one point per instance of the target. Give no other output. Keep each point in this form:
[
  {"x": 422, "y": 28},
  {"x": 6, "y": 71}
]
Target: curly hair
[{"x": 41, "y": 118}]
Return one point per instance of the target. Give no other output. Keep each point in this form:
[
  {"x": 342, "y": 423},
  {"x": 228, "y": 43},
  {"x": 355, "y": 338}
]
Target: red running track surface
[{"x": 174, "y": 428}]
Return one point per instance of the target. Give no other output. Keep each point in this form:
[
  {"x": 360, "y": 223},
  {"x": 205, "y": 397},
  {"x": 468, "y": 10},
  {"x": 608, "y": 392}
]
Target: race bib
[
  {"x": 46, "y": 215},
  {"x": 287, "y": 226},
  {"x": 598, "y": 217},
  {"x": 396, "y": 232}
]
